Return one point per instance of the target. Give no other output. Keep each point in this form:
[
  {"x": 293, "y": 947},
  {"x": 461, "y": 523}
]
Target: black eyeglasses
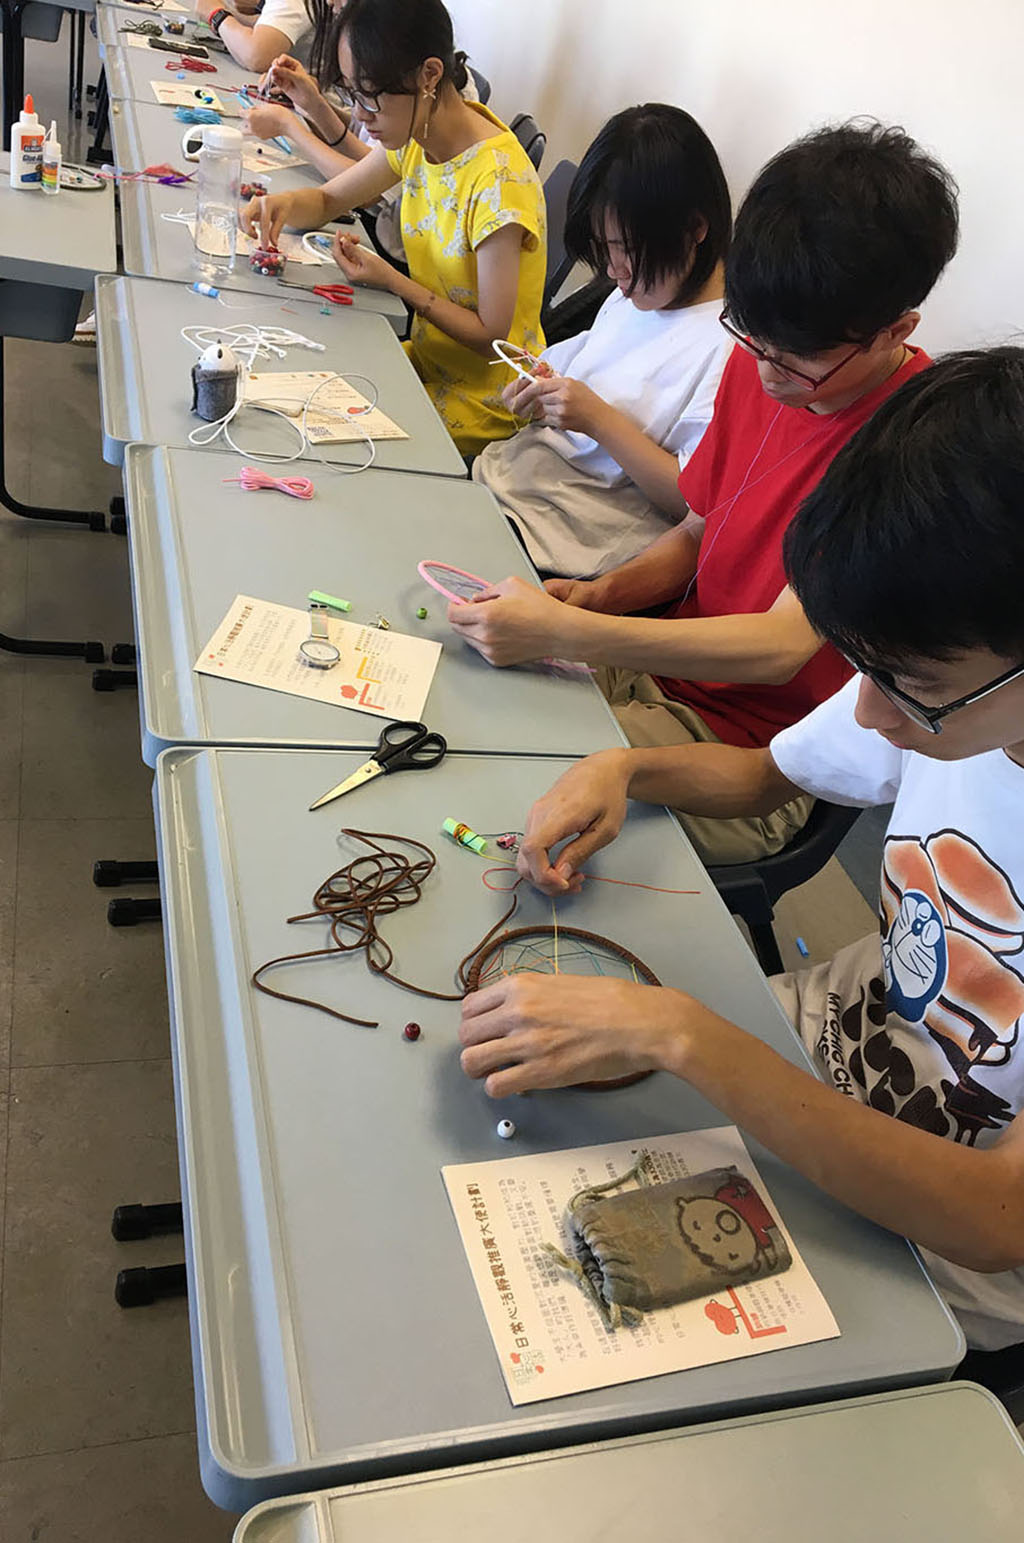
[
  {"x": 930, "y": 718},
  {"x": 368, "y": 102},
  {"x": 809, "y": 382}
]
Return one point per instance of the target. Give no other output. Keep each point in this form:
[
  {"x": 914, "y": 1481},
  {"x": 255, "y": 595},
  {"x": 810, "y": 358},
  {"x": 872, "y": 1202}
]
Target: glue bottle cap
[
  {"x": 28, "y": 112},
  {"x": 52, "y": 143}
]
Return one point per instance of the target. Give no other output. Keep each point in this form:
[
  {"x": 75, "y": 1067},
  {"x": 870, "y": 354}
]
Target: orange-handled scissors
[{"x": 402, "y": 746}]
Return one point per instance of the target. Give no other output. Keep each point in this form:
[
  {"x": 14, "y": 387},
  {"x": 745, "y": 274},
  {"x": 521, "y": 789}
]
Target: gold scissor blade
[{"x": 368, "y": 770}]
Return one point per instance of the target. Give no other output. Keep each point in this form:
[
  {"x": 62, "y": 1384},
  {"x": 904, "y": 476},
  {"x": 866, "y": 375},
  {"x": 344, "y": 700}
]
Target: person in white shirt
[
  {"x": 908, "y": 557},
  {"x": 618, "y": 410},
  {"x": 282, "y": 27}
]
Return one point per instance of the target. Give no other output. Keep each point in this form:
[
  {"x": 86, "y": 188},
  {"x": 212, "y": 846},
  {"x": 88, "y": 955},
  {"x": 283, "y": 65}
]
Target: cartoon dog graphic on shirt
[{"x": 950, "y": 920}]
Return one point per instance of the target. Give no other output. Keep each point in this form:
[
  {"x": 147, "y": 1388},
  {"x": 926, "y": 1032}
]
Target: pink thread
[{"x": 253, "y": 481}]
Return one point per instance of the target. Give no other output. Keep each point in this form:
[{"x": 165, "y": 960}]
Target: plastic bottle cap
[
  {"x": 221, "y": 136},
  {"x": 29, "y": 109}
]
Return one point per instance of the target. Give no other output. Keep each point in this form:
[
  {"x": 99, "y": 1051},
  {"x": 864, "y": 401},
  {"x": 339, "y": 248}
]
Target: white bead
[{"x": 506, "y": 1130}]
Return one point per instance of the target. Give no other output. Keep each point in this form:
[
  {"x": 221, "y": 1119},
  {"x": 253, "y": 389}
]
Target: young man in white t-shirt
[{"x": 909, "y": 557}]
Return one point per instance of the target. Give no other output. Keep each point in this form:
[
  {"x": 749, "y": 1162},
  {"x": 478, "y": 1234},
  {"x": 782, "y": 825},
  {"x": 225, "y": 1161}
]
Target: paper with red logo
[
  {"x": 549, "y": 1336},
  {"x": 385, "y": 673}
]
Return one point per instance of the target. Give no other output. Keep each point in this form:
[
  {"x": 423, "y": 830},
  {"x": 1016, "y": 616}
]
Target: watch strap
[{"x": 217, "y": 19}]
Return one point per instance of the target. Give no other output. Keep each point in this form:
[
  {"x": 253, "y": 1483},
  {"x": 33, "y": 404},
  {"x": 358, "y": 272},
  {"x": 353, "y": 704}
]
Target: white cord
[{"x": 251, "y": 342}]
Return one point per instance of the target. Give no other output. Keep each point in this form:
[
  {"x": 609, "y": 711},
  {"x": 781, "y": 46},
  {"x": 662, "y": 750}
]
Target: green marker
[{"x": 318, "y": 597}]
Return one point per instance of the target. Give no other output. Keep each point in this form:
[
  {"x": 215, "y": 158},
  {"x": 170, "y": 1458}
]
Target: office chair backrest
[
  {"x": 532, "y": 138},
  {"x": 556, "y": 196},
  {"x": 483, "y": 85}
]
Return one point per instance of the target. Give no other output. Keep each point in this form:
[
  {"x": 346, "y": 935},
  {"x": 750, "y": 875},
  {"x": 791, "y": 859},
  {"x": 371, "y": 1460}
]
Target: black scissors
[{"x": 403, "y": 746}]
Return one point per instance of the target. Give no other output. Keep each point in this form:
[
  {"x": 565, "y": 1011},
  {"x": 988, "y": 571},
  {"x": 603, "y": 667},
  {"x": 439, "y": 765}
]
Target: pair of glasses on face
[
  {"x": 930, "y": 718},
  {"x": 809, "y": 382}
]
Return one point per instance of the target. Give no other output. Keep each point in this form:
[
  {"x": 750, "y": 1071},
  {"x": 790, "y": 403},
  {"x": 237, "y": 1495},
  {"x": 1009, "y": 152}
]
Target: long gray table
[
  {"x": 197, "y": 542},
  {"x": 145, "y": 388},
  {"x": 60, "y": 242},
  {"x": 146, "y": 134},
  {"x": 337, "y": 1335},
  {"x": 880, "y": 1469},
  {"x": 132, "y": 69}
]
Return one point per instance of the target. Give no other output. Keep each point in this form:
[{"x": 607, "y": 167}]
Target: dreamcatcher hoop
[
  {"x": 475, "y": 965},
  {"x": 454, "y": 583}
]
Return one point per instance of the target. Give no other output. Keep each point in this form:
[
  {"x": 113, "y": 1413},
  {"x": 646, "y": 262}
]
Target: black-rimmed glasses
[
  {"x": 809, "y": 382},
  {"x": 930, "y": 718}
]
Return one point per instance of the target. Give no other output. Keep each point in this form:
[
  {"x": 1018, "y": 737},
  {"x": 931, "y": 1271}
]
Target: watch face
[{"x": 319, "y": 653}]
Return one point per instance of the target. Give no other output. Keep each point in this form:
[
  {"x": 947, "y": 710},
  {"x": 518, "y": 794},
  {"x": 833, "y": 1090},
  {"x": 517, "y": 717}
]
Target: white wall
[{"x": 757, "y": 73}]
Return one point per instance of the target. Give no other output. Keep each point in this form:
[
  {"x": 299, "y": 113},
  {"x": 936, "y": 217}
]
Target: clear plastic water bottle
[{"x": 220, "y": 172}]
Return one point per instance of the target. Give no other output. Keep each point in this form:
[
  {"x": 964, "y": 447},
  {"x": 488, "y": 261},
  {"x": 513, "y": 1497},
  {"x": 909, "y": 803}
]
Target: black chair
[
  {"x": 530, "y": 136},
  {"x": 750, "y": 890},
  {"x": 483, "y": 85},
  {"x": 556, "y": 196},
  {"x": 577, "y": 312}
]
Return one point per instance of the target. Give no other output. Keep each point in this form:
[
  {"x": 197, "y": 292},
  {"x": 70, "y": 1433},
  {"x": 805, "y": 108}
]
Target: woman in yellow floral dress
[{"x": 472, "y": 210}]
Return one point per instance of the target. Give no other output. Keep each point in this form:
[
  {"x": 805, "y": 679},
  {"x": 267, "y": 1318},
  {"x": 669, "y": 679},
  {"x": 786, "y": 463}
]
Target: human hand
[
  {"x": 588, "y": 802},
  {"x": 550, "y": 1031},
  {"x": 509, "y": 623},
  {"x": 264, "y": 218},
  {"x": 514, "y": 390},
  {"x": 287, "y": 77},
  {"x": 265, "y": 120},
  {"x": 559, "y": 402},
  {"x": 359, "y": 264}
]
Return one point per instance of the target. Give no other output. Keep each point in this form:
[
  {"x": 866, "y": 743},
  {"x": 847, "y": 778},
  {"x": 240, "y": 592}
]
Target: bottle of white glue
[{"x": 27, "y": 149}]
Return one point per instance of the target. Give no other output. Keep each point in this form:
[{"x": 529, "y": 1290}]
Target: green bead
[{"x": 422, "y": 613}]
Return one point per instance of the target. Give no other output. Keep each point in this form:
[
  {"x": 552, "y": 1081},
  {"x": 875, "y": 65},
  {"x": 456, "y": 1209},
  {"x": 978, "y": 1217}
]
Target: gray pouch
[{"x": 666, "y": 1243}]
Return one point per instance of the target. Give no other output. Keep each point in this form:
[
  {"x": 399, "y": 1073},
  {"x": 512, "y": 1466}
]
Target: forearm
[
  {"x": 720, "y": 781},
  {"x": 657, "y": 575},
  {"x": 329, "y": 160},
  {"x": 466, "y": 327},
  {"x": 254, "y": 47},
  {"x": 760, "y": 649},
  {"x": 963, "y": 1203},
  {"x": 654, "y": 470}
]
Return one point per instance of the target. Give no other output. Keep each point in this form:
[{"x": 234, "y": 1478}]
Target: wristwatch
[
  {"x": 217, "y": 19},
  {"x": 317, "y": 650}
]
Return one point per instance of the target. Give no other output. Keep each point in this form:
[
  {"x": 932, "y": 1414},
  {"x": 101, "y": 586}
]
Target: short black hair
[
  {"x": 656, "y": 171},
  {"x": 390, "y": 39},
  {"x": 911, "y": 547},
  {"x": 840, "y": 234}
]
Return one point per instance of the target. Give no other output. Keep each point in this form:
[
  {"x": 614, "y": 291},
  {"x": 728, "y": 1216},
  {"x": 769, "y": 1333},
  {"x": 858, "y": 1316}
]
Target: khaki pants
[{"x": 649, "y": 718}]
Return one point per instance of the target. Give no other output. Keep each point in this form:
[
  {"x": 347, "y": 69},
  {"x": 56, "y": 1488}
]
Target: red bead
[{"x": 411, "y": 1031}]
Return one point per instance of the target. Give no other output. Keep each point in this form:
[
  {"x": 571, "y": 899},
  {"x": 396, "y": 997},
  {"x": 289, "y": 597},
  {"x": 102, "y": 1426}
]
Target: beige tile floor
[{"x": 97, "y": 1423}]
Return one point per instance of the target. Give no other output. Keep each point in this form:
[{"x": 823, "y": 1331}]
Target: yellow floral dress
[{"x": 448, "y": 209}]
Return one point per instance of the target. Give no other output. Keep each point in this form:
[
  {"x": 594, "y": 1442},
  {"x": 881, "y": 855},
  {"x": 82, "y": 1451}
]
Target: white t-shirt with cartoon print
[{"x": 925, "y": 1021}]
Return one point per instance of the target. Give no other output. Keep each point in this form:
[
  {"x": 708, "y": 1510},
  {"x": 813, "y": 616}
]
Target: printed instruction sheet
[
  {"x": 187, "y": 93},
  {"x": 337, "y": 414},
  {"x": 387, "y": 674},
  {"x": 549, "y": 1337}
]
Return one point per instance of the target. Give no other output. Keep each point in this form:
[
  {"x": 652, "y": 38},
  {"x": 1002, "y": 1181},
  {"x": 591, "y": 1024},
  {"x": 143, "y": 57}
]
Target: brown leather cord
[
  {"x": 377, "y": 884},
  {"x": 383, "y": 881}
]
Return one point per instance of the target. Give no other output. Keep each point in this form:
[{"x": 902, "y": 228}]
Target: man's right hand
[{"x": 587, "y": 802}]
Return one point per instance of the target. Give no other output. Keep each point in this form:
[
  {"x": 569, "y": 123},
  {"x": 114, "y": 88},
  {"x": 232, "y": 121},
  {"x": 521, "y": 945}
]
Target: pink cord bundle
[{"x": 253, "y": 481}]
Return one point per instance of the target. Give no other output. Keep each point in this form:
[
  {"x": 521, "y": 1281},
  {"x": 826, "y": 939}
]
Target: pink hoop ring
[{"x": 460, "y": 573}]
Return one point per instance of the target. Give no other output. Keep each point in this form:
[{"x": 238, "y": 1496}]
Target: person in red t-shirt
[{"x": 838, "y": 241}]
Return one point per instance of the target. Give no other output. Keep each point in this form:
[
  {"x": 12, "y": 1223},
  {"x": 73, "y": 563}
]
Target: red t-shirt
[{"x": 771, "y": 456}]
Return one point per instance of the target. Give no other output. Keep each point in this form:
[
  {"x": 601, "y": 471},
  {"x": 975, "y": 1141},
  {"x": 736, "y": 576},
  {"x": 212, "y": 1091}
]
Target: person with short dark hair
[
  {"x": 473, "y": 218},
  {"x": 908, "y": 557},
  {"x": 837, "y": 242},
  {"x": 615, "y": 413}
]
